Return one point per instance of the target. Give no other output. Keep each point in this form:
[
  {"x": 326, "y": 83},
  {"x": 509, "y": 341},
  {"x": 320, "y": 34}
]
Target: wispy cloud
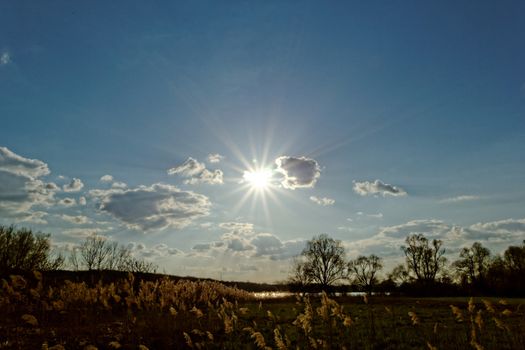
[
  {"x": 76, "y": 219},
  {"x": 5, "y": 58},
  {"x": 462, "y": 198},
  {"x": 378, "y": 187},
  {"x": 215, "y": 158},
  {"x": 324, "y": 201},
  {"x": 371, "y": 216}
]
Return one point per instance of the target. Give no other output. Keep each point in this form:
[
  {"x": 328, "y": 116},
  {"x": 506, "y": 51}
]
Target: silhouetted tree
[
  {"x": 514, "y": 258},
  {"x": 20, "y": 249},
  {"x": 473, "y": 264},
  {"x": 399, "y": 274},
  {"x": 323, "y": 261},
  {"x": 97, "y": 253},
  {"x": 363, "y": 270},
  {"x": 424, "y": 259}
]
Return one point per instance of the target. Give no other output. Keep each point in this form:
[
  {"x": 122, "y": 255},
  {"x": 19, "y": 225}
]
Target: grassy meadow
[{"x": 165, "y": 314}]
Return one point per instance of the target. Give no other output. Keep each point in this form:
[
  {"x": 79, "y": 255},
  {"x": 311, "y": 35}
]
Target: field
[{"x": 166, "y": 314}]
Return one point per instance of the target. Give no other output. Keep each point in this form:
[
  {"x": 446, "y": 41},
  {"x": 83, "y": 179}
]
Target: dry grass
[{"x": 130, "y": 314}]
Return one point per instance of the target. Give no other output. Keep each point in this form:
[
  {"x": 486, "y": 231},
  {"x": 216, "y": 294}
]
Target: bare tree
[
  {"x": 473, "y": 263},
  {"x": 424, "y": 259},
  {"x": 323, "y": 261},
  {"x": 20, "y": 249},
  {"x": 363, "y": 270},
  {"x": 117, "y": 257},
  {"x": 298, "y": 276},
  {"x": 97, "y": 253},
  {"x": 93, "y": 252}
]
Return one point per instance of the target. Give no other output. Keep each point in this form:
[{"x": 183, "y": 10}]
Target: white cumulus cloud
[
  {"x": 196, "y": 173},
  {"x": 106, "y": 178},
  {"x": 377, "y": 187},
  {"x": 74, "y": 186},
  {"x": 324, "y": 201}
]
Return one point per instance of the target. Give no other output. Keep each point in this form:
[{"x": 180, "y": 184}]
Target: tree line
[
  {"x": 23, "y": 250},
  {"x": 323, "y": 265}
]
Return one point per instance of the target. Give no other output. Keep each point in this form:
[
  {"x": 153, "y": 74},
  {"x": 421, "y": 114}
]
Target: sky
[{"x": 215, "y": 138}]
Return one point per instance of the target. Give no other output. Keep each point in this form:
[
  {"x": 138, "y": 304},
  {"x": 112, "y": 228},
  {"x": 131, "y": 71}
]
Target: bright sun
[{"x": 258, "y": 179}]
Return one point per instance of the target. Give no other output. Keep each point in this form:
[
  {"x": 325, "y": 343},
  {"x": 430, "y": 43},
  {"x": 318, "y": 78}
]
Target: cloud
[
  {"x": 106, "y": 178},
  {"x": 324, "y": 201},
  {"x": 432, "y": 228},
  {"x": 74, "y": 186},
  {"x": 67, "y": 202},
  {"x": 82, "y": 201},
  {"x": 298, "y": 172},
  {"x": 462, "y": 198},
  {"x": 84, "y": 232},
  {"x": 190, "y": 167},
  {"x": 241, "y": 240},
  {"x": 377, "y": 188},
  {"x": 215, "y": 158},
  {"x": 202, "y": 247},
  {"x": 214, "y": 177},
  {"x": 196, "y": 173},
  {"x": 498, "y": 230},
  {"x": 20, "y": 186},
  {"x": 77, "y": 219},
  {"x": 35, "y": 217},
  {"x": 118, "y": 184},
  {"x": 238, "y": 228},
  {"x": 269, "y": 245},
  {"x": 15, "y": 164},
  {"x": 5, "y": 58},
  {"x": 157, "y": 251},
  {"x": 158, "y": 206},
  {"x": 371, "y": 216}
]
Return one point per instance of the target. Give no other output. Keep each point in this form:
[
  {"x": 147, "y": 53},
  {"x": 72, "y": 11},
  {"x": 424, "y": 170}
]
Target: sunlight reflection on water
[{"x": 275, "y": 295}]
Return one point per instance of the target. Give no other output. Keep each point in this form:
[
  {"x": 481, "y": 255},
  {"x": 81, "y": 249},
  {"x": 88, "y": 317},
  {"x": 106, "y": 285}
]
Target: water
[{"x": 275, "y": 295}]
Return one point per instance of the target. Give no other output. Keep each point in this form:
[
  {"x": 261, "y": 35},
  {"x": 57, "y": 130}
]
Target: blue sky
[{"x": 386, "y": 118}]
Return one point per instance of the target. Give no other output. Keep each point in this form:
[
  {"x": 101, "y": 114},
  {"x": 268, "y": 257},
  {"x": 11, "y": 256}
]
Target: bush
[{"x": 21, "y": 250}]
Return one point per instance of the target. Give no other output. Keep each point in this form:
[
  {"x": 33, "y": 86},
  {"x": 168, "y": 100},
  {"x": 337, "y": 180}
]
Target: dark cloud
[
  {"x": 67, "y": 202},
  {"x": 298, "y": 172},
  {"x": 153, "y": 207},
  {"x": 377, "y": 187}
]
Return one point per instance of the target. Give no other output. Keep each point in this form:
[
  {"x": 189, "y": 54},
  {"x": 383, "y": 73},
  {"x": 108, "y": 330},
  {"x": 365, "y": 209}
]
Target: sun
[{"x": 259, "y": 179}]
